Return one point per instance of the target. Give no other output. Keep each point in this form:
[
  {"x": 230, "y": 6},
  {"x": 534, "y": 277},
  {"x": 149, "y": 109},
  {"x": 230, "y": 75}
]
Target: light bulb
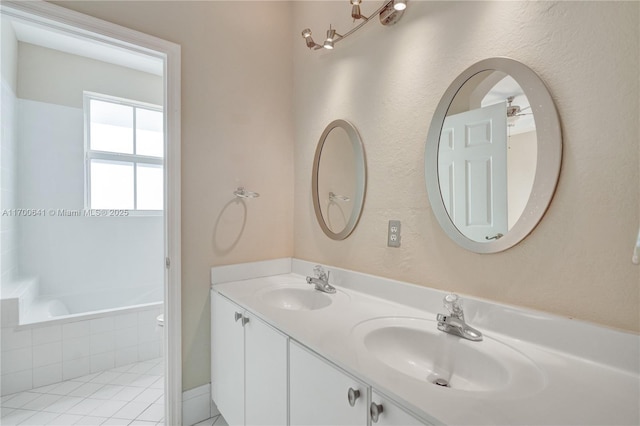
[{"x": 399, "y": 4}]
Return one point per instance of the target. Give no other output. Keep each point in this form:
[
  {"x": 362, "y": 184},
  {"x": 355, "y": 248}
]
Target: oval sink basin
[
  {"x": 296, "y": 299},
  {"x": 418, "y": 350}
]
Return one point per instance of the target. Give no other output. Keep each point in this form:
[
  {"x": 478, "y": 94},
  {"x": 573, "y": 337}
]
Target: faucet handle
[
  {"x": 453, "y": 303},
  {"x": 320, "y": 273}
]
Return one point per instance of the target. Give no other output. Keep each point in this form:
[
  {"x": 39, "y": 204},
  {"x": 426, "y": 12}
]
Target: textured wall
[
  {"x": 388, "y": 82},
  {"x": 236, "y": 130}
]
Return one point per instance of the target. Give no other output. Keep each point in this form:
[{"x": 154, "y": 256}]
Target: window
[{"x": 124, "y": 146}]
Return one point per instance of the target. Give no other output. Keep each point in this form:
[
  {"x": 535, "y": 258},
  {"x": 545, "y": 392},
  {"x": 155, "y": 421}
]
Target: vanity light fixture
[
  {"x": 400, "y": 4},
  {"x": 355, "y": 10},
  {"x": 390, "y": 13},
  {"x": 331, "y": 36}
]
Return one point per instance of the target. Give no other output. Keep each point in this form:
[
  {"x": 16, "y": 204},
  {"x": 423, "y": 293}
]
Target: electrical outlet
[{"x": 393, "y": 238}]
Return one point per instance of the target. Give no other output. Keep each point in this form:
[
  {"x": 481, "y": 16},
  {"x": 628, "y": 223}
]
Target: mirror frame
[
  {"x": 549, "y": 155},
  {"x": 361, "y": 179}
]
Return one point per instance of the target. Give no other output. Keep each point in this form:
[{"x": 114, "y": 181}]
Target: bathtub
[
  {"x": 60, "y": 338},
  {"x": 69, "y": 306}
]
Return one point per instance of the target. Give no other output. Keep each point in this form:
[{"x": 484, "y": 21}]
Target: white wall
[
  {"x": 8, "y": 157},
  {"x": 75, "y": 254},
  {"x": 52, "y": 76},
  {"x": 388, "y": 82}
]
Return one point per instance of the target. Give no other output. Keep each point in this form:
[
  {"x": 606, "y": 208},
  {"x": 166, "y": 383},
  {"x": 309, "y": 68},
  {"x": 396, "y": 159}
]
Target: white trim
[
  {"x": 102, "y": 32},
  {"x": 198, "y": 405}
]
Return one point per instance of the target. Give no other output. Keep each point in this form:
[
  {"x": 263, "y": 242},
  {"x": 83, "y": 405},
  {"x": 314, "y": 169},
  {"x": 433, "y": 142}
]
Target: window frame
[{"x": 91, "y": 154}]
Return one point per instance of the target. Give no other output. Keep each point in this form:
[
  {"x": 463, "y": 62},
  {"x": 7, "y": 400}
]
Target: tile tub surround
[
  {"x": 40, "y": 354},
  {"x": 590, "y": 378}
]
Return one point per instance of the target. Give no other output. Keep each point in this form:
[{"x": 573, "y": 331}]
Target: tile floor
[
  {"x": 217, "y": 421},
  {"x": 129, "y": 395}
]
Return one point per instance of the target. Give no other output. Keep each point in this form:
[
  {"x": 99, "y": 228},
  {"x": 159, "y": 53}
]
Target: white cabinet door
[
  {"x": 227, "y": 359},
  {"x": 390, "y": 414},
  {"x": 318, "y": 392},
  {"x": 265, "y": 374}
]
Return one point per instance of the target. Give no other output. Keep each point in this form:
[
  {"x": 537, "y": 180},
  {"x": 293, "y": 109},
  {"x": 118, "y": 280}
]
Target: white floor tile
[
  {"x": 131, "y": 394},
  {"x": 64, "y": 388},
  {"x": 144, "y": 380},
  {"x": 155, "y": 412},
  {"x": 121, "y": 369},
  {"x": 109, "y": 408},
  {"x": 63, "y": 404},
  {"x": 91, "y": 421},
  {"x": 107, "y": 391},
  {"x": 157, "y": 370},
  {"x": 40, "y": 418},
  {"x": 20, "y": 399},
  {"x": 220, "y": 421},
  {"x": 85, "y": 407},
  {"x": 16, "y": 417},
  {"x": 86, "y": 389},
  {"x": 5, "y": 411},
  {"x": 140, "y": 368},
  {"x": 116, "y": 422},
  {"x": 125, "y": 378},
  {"x": 105, "y": 377},
  {"x": 150, "y": 395},
  {"x": 87, "y": 377},
  {"x": 45, "y": 389},
  {"x": 65, "y": 420},
  {"x": 7, "y": 398},
  {"x": 128, "y": 393},
  {"x": 158, "y": 384},
  {"x": 132, "y": 410},
  {"x": 207, "y": 422},
  {"x": 42, "y": 402}
]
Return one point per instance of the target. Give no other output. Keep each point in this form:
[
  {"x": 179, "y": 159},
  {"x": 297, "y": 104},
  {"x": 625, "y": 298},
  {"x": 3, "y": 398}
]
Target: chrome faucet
[
  {"x": 454, "y": 322},
  {"x": 321, "y": 280}
]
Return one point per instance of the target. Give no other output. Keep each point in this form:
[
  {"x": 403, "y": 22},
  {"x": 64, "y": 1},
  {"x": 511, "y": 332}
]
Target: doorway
[{"x": 92, "y": 207}]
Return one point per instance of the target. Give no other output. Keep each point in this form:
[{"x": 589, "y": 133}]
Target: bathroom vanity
[{"x": 284, "y": 353}]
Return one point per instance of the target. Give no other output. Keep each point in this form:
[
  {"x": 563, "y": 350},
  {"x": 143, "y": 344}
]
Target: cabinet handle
[
  {"x": 375, "y": 410},
  {"x": 353, "y": 395},
  {"x": 245, "y": 320},
  {"x": 238, "y": 316}
]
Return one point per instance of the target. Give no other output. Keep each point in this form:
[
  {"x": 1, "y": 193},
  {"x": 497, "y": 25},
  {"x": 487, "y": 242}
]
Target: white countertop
[{"x": 572, "y": 390}]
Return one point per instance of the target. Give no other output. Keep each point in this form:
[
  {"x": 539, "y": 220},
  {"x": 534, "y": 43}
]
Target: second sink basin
[
  {"x": 418, "y": 350},
  {"x": 296, "y": 299}
]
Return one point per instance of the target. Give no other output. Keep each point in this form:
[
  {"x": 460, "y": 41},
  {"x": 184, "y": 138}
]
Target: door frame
[{"x": 87, "y": 27}]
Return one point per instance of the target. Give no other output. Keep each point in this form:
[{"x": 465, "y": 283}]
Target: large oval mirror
[
  {"x": 339, "y": 179},
  {"x": 493, "y": 155}
]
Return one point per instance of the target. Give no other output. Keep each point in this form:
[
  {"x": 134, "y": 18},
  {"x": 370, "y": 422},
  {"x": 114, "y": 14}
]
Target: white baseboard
[{"x": 197, "y": 405}]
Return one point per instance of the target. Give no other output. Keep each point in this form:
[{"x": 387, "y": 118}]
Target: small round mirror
[
  {"x": 339, "y": 179},
  {"x": 493, "y": 155}
]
